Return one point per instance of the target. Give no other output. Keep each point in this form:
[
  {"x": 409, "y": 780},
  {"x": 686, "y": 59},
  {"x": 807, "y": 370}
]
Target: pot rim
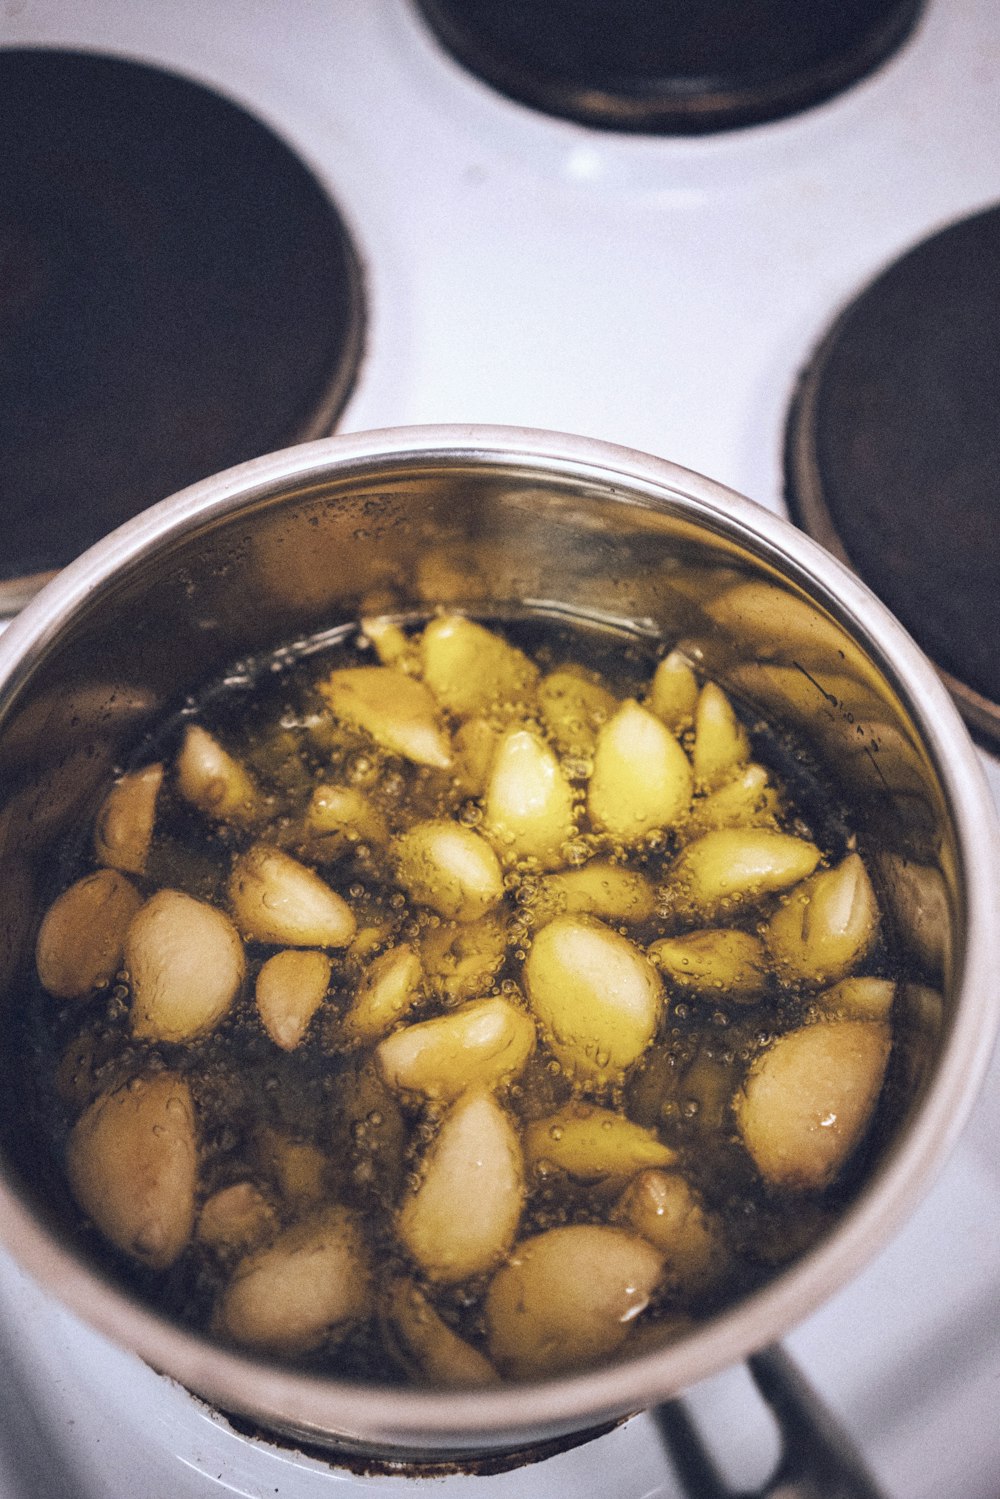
[{"x": 404, "y": 1419}]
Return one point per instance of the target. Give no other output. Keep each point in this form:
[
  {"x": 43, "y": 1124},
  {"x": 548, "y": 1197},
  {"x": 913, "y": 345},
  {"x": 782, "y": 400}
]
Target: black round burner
[
  {"x": 893, "y": 451},
  {"x": 177, "y": 294},
  {"x": 681, "y": 68}
]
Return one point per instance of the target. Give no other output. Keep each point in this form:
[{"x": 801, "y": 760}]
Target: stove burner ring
[
  {"x": 467, "y": 1465},
  {"x": 645, "y": 66},
  {"x": 177, "y": 294},
  {"x": 892, "y": 452}
]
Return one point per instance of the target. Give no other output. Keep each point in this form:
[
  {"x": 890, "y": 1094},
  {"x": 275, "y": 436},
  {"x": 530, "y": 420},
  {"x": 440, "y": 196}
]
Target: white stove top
[{"x": 661, "y": 293}]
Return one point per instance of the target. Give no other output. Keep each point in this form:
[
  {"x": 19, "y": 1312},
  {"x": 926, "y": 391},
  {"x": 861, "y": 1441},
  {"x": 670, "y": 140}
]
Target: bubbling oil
[{"x": 288, "y": 1130}]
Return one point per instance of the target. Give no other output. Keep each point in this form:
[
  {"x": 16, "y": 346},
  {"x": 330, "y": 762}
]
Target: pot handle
[{"x": 818, "y": 1459}]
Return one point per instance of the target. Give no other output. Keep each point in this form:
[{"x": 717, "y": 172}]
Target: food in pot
[{"x": 459, "y": 1002}]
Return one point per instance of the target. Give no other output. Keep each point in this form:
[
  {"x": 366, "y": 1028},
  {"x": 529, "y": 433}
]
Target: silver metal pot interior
[{"x": 492, "y": 521}]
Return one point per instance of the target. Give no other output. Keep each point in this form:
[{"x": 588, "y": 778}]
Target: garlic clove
[{"x": 185, "y": 965}]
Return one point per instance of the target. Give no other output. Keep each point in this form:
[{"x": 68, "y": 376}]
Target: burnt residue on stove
[{"x": 369, "y": 1465}]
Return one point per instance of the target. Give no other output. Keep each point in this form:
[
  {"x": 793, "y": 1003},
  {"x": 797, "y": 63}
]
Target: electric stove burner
[
  {"x": 643, "y": 65},
  {"x": 177, "y": 294},
  {"x": 893, "y": 451}
]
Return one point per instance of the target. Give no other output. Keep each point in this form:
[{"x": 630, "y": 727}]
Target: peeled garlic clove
[
  {"x": 82, "y": 936},
  {"x": 213, "y": 781},
  {"x": 731, "y": 867},
  {"x": 389, "y": 987},
  {"x": 290, "y": 988},
  {"x": 529, "y": 806},
  {"x": 132, "y": 1166},
  {"x": 480, "y": 1045},
  {"x": 476, "y": 743},
  {"x": 276, "y": 899},
  {"x": 346, "y": 810},
  {"x": 390, "y": 641},
  {"x": 311, "y": 1284},
  {"x": 469, "y": 668},
  {"x": 236, "y": 1217},
  {"x": 859, "y": 999},
  {"x": 718, "y": 963},
  {"x": 450, "y": 868},
  {"x": 461, "y": 959},
  {"x": 642, "y": 779},
  {"x": 673, "y": 692},
  {"x": 589, "y": 1142},
  {"x": 567, "y": 1298},
  {"x": 596, "y": 994},
  {"x": 185, "y": 965},
  {"x": 573, "y": 707},
  {"x": 748, "y": 800},
  {"x": 827, "y": 926},
  {"x": 721, "y": 744},
  {"x": 370, "y": 1133},
  {"x": 663, "y": 1208},
  {"x": 397, "y": 711},
  {"x": 463, "y": 1216},
  {"x": 123, "y": 828},
  {"x": 599, "y": 888},
  {"x": 808, "y": 1098},
  {"x": 298, "y": 1167},
  {"x": 427, "y": 1345}
]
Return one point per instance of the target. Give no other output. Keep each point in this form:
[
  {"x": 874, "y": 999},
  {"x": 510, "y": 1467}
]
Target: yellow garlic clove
[
  {"x": 719, "y": 963},
  {"x": 132, "y": 1166},
  {"x": 589, "y": 1143},
  {"x": 309, "y": 1286},
  {"x": 480, "y": 1045},
  {"x": 82, "y": 936},
  {"x": 568, "y": 1298},
  {"x": 663, "y": 1208},
  {"x": 299, "y": 1168},
  {"x": 450, "y": 868},
  {"x": 236, "y": 1217},
  {"x": 748, "y": 800},
  {"x": 276, "y": 899},
  {"x": 596, "y": 994},
  {"x": 721, "y": 744},
  {"x": 463, "y": 1217},
  {"x": 213, "y": 781},
  {"x": 397, "y": 711},
  {"x": 732, "y": 867},
  {"x": 290, "y": 988},
  {"x": 370, "y": 1133},
  {"x": 123, "y": 828},
  {"x": 808, "y": 1098},
  {"x": 346, "y": 810},
  {"x": 476, "y": 742},
  {"x": 390, "y": 987},
  {"x": 642, "y": 779},
  {"x": 391, "y": 642},
  {"x": 673, "y": 692},
  {"x": 427, "y": 1346},
  {"x": 600, "y": 888},
  {"x": 573, "y": 707},
  {"x": 461, "y": 959},
  {"x": 469, "y": 668},
  {"x": 826, "y": 926},
  {"x": 529, "y": 806},
  {"x": 859, "y": 999},
  {"x": 185, "y": 965}
]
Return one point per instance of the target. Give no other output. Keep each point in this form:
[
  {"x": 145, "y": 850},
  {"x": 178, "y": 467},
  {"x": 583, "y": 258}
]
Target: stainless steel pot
[{"x": 491, "y": 519}]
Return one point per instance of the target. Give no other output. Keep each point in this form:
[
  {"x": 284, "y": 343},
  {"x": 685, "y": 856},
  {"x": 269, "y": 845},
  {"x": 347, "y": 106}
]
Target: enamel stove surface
[{"x": 663, "y": 293}]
